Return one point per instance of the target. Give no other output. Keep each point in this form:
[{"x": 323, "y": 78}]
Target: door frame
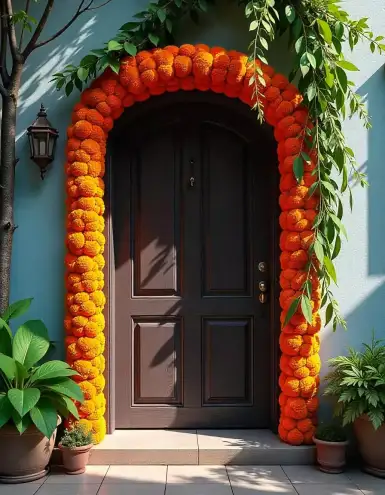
[{"x": 154, "y": 105}]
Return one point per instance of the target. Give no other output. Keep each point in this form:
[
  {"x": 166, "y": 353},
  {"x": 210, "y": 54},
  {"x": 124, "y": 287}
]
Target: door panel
[{"x": 192, "y": 340}]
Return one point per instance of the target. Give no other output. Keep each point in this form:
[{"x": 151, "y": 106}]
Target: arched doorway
[{"x": 194, "y": 213}]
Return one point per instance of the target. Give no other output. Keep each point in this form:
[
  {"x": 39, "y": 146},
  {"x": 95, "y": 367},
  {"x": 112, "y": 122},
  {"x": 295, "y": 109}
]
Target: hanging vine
[{"x": 319, "y": 31}]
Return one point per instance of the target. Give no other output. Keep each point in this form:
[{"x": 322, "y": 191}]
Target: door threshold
[{"x": 205, "y": 447}]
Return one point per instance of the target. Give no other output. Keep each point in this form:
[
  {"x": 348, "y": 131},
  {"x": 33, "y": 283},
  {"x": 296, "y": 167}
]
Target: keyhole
[
  {"x": 192, "y": 178},
  {"x": 192, "y": 181}
]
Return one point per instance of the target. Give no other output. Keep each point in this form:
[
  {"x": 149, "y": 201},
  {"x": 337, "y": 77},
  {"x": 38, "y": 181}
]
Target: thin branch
[
  {"x": 39, "y": 28},
  {"x": 98, "y": 6},
  {"x": 3, "y": 45},
  {"x": 22, "y": 29},
  {"x": 11, "y": 31},
  {"x": 32, "y": 45}
]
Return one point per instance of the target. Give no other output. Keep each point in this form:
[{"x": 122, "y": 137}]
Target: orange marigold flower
[
  {"x": 82, "y": 129},
  {"x": 295, "y": 437},
  {"x": 149, "y": 78},
  {"x": 93, "y": 96},
  {"x": 103, "y": 108},
  {"x": 187, "y": 50},
  {"x": 163, "y": 57},
  {"x": 288, "y": 423},
  {"x": 296, "y": 408},
  {"x": 202, "y": 64},
  {"x": 291, "y": 387},
  {"x": 78, "y": 168},
  {"x": 90, "y": 146},
  {"x": 88, "y": 390},
  {"x": 94, "y": 117},
  {"x": 174, "y": 50},
  {"x": 290, "y": 344},
  {"x": 237, "y": 70}
]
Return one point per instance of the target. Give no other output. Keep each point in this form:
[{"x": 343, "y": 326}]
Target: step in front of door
[{"x": 205, "y": 447}]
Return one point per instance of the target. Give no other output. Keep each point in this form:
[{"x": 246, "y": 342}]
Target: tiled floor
[{"x": 202, "y": 480}]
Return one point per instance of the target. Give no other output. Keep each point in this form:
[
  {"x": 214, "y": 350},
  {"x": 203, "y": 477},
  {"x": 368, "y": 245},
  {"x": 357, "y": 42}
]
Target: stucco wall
[{"x": 37, "y": 268}]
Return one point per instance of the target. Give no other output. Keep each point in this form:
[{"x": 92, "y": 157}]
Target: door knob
[
  {"x": 263, "y": 292},
  {"x": 262, "y": 286}
]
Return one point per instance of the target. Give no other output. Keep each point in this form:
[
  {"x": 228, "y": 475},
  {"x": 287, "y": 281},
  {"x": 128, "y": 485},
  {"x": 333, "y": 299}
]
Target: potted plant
[
  {"x": 75, "y": 445},
  {"x": 358, "y": 382},
  {"x": 32, "y": 395},
  {"x": 331, "y": 442}
]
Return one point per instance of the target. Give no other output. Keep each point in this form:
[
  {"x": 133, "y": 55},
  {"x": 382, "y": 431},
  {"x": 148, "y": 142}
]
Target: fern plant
[
  {"x": 77, "y": 436},
  {"x": 330, "y": 433},
  {"x": 358, "y": 382}
]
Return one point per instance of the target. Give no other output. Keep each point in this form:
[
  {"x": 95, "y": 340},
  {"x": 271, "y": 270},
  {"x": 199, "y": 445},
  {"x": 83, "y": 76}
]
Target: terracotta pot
[
  {"x": 371, "y": 444},
  {"x": 331, "y": 456},
  {"x": 25, "y": 457},
  {"x": 75, "y": 459}
]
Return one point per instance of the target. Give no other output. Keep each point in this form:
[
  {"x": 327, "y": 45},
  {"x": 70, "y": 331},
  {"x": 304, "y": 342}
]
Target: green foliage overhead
[
  {"x": 320, "y": 32},
  {"x": 77, "y": 436},
  {"x": 32, "y": 392},
  {"x": 358, "y": 383}
]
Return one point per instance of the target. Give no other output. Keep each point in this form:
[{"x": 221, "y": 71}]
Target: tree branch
[
  {"x": 39, "y": 28},
  {"x": 11, "y": 31},
  {"x": 32, "y": 45},
  {"x": 3, "y": 45},
  {"x": 22, "y": 29}
]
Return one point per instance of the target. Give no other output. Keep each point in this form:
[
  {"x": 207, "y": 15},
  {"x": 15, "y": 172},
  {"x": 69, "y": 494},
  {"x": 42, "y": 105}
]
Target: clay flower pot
[
  {"x": 75, "y": 459},
  {"x": 331, "y": 456},
  {"x": 25, "y": 457},
  {"x": 371, "y": 445}
]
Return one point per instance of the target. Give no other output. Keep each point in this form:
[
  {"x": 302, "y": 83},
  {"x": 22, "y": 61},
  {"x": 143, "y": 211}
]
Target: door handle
[{"x": 262, "y": 292}]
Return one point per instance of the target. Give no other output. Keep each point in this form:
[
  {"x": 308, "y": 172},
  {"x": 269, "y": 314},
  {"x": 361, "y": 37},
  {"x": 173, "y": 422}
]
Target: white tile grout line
[
  {"x": 228, "y": 477},
  {"x": 198, "y": 453},
  {"x": 165, "y": 485}
]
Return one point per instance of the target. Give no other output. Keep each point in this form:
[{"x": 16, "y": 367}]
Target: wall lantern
[{"x": 42, "y": 141}]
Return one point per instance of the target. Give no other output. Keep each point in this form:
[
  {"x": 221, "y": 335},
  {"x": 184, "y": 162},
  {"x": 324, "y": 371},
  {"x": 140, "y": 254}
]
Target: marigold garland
[{"x": 153, "y": 73}]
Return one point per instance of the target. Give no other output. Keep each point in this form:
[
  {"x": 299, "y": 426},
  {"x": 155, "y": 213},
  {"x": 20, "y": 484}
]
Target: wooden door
[{"x": 191, "y": 223}]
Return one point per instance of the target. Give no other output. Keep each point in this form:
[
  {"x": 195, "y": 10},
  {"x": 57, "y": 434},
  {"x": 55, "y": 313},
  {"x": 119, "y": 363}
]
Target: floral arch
[{"x": 189, "y": 68}]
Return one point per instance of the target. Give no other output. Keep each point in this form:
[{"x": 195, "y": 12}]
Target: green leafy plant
[
  {"x": 358, "y": 382},
  {"x": 318, "y": 32},
  {"x": 77, "y": 436},
  {"x": 31, "y": 392},
  {"x": 330, "y": 433}
]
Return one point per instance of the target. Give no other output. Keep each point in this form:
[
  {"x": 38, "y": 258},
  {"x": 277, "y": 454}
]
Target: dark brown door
[{"x": 191, "y": 223}]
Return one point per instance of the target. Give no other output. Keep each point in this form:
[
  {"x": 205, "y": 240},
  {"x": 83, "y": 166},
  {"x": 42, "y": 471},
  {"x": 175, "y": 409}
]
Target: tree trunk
[{"x": 7, "y": 180}]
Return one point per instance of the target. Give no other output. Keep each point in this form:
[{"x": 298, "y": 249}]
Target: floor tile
[
  {"x": 264, "y": 489},
  {"x": 361, "y": 479},
  {"x": 246, "y": 475},
  {"x": 132, "y": 489},
  {"x": 198, "y": 489},
  {"x": 68, "y": 489},
  {"x": 145, "y": 439},
  {"x": 311, "y": 474},
  {"x": 93, "y": 475},
  {"x": 197, "y": 474},
  {"x": 21, "y": 489},
  {"x": 326, "y": 489},
  {"x": 136, "y": 474},
  {"x": 373, "y": 490}
]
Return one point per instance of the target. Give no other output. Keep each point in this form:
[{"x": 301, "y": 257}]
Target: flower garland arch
[{"x": 152, "y": 73}]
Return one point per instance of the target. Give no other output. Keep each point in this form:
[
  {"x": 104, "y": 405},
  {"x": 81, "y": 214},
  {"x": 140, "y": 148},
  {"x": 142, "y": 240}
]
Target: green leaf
[
  {"x": 202, "y": 5},
  {"x": 253, "y": 26},
  {"x": 21, "y": 423},
  {"x": 31, "y": 343},
  {"x": 298, "y": 168},
  {"x": 154, "y": 39},
  {"x": 16, "y": 309},
  {"x": 342, "y": 78},
  {"x": 339, "y": 29},
  {"x": 312, "y": 60},
  {"x": 23, "y": 400},
  {"x": 311, "y": 91},
  {"x": 306, "y": 308},
  {"x": 65, "y": 387},
  {"x": 329, "y": 313},
  {"x": 113, "y": 45},
  {"x": 114, "y": 64},
  {"x": 5, "y": 341},
  {"x": 325, "y": 30},
  {"x": 52, "y": 369},
  {"x": 8, "y": 366},
  {"x": 293, "y": 308},
  {"x": 69, "y": 405},
  {"x": 128, "y": 26},
  {"x": 330, "y": 269},
  {"x": 178, "y": 3},
  {"x": 347, "y": 65},
  {"x": 21, "y": 372},
  {"x": 290, "y": 13},
  {"x": 82, "y": 73},
  {"x": 263, "y": 43},
  {"x": 88, "y": 60},
  {"x": 161, "y": 15},
  {"x": 319, "y": 251},
  {"x": 5, "y": 409},
  {"x": 130, "y": 49},
  {"x": 69, "y": 88},
  {"x": 300, "y": 45},
  {"x": 337, "y": 248},
  {"x": 169, "y": 25},
  {"x": 339, "y": 224},
  {"x": 44, "y": 417},
  {"x": 304, "y": 65}
]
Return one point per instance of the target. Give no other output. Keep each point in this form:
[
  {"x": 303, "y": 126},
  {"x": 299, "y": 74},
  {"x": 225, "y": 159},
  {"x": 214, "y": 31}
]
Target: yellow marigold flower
[
  {"x": 79, "y": 321},
  {"x": 88, "y": 390},
  {"x": 92, "y": 329},
  {"x": 76, "y": 240},
  {"x": 84, "y": 423},
  {"x": 99, "y": 320},
  {"x": 98, "y": 298},
  {"x": 100, "y": 363},
  {"x": 100, "y": 401},
  {"x": 84, "y": 264},
  {"x": 90, "y": 285},
  {"x": 99, "y": 383},
  {"x": 99, "y": 260},
  {"x": 81, "y": 297},
  {"x": 91, "y": 248},
  {"x": 87, "y": 407}
]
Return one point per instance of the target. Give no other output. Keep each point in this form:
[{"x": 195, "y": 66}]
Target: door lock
[{"x": 192, "y": 181}]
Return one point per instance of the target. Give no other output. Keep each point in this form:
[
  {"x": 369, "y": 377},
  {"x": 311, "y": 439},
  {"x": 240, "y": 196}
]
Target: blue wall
[{"x": 37, "y": 268}]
